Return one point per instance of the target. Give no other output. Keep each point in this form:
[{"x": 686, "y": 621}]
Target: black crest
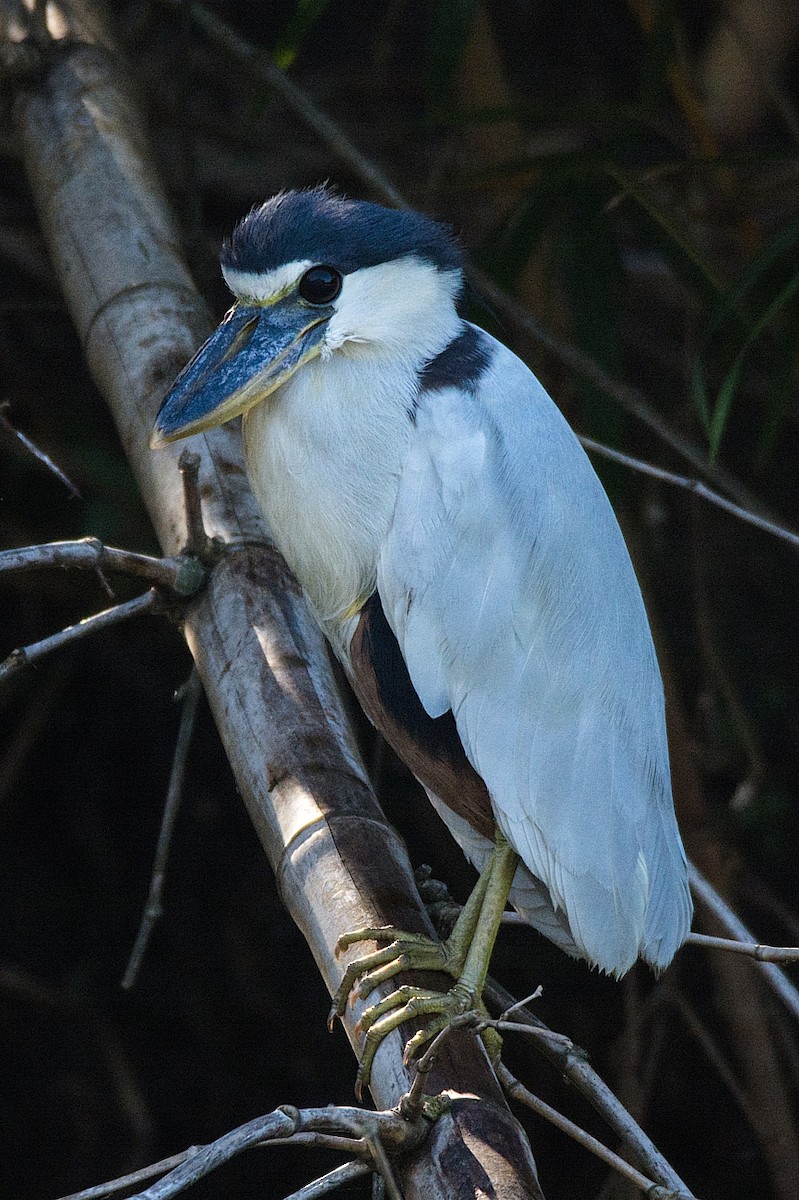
[{"x": 316, "y": 225}]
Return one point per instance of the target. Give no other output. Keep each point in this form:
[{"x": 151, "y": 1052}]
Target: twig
[
  {"x": 190, "y": 695},
  {"x": 734, "y": 926},
  {"x": 388, "y": 1128},
  {"x": 384, "y": 1168},
  {"x": 517, "y": 1091},
  {"x": 198, "y": 542},
  {"x": 326, "y": 130},
  {"x": 101, "y": 1190},
  {"x": 517, "y": 1004},
  {"x": 479, "y": 1021},
  {"x": 412, "y": 1103},
  {"x": 752, "y": 949},
  {"x": 338, "y": 1177},
  {"x": 124, "y": 1182},
  {"x": 325, "y": 1141},
  {"x": 573, "y": 1065},
  {"x": 17, "y": 659},
  {"x": 713, "y": 1053},
  {"x": 208, "y": 1158},
  {"x": 183, "y": 575},
  {"x": 33, "y": 449},
  {"x": 694, "y": 486}
]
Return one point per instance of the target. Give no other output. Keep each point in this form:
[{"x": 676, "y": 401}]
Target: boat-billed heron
[{"x": 464, "y": 562}]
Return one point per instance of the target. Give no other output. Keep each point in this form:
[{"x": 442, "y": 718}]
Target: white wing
[{"x": 508, "y": 585}]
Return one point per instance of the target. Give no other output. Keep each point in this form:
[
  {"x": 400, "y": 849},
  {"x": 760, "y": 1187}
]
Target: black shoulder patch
[{"x": 460, "y": 364}]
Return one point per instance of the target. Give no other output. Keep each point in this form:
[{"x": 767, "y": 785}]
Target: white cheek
[{"x": 406, "y": 306}]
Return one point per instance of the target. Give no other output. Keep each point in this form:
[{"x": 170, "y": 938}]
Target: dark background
[{"x": 639, "y": 191}]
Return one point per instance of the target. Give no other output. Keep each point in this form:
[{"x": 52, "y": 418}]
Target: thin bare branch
[
  {"x": 226, "y": 38},
  {"x": 713, "y": 1053},
  {"x": 18, "y": 659},
  {"x": 198, "y": 542},
  {"x": 100, "y": 1190},
  {"x": 573, "y": 1065},
  {"x": 338, "y": 1177},
  {"x": 517, "y": 1091},
  {"x": 734, "y": 926},
  {"x": 695, "y": 486},
  {"x": 324, "y": 1141},
  {"x": 389, "y": 1129},
  {"x": 190, "y": 696},
  {"x": 207, "y": 1158},
  {"x": 536, "y": 995},
  {"x": 33, "y": 449},
  {"x": 412, "y": 1103},
  {"x": 183, "y": 575},
  {"x": 383, "y": 1166},
  {"x": 478, "y": 1021},
  {"x": 751, "y": 949}
]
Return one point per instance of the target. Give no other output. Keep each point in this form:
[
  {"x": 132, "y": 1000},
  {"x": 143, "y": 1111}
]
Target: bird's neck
[{"x": 324, "y": 456}]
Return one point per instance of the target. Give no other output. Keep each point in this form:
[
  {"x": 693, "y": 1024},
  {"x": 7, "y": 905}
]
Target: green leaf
[
  {"x": 296, "y": 30},
  {"x": 667, "y": 229},
  {"x": 782, "y": 245},
  {"x": 732, "y": 379}
]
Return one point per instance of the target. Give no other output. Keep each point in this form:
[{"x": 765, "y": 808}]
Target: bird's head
[{"x": 313, "y": 275}]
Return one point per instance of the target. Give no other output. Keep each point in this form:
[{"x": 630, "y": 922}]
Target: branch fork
[{"x": 173, "y": 579}]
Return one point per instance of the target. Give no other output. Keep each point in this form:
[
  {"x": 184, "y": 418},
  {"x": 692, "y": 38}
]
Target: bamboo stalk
[{"x": 261, "y": 658}]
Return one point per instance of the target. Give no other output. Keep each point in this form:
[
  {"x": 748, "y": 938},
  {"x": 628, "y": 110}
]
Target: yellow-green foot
[
  {"x": 464, "y": 956},
  {"x": 405, "y": 952},
  {"x": 408, "y": 1003}
]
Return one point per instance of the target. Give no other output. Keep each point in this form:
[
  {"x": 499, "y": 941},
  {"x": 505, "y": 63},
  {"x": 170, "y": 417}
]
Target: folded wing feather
[{"x": 508, "y": 585}]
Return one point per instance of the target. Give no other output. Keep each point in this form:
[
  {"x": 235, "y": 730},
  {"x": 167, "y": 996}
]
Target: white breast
[{"x": 324, "y": 456}]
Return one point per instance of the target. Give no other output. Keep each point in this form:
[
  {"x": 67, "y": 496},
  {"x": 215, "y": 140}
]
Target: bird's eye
[{"x": 320, "y": 285}]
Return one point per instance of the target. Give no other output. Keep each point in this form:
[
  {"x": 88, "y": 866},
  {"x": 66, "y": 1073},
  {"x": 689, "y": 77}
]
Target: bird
[{"x": 464, "y": 562}]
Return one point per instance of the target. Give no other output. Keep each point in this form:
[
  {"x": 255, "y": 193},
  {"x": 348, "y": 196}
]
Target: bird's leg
[{"x": 465, "y": 955}]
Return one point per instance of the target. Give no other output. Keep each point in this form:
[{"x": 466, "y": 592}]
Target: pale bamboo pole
[{"x": 262, "y": 660}]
